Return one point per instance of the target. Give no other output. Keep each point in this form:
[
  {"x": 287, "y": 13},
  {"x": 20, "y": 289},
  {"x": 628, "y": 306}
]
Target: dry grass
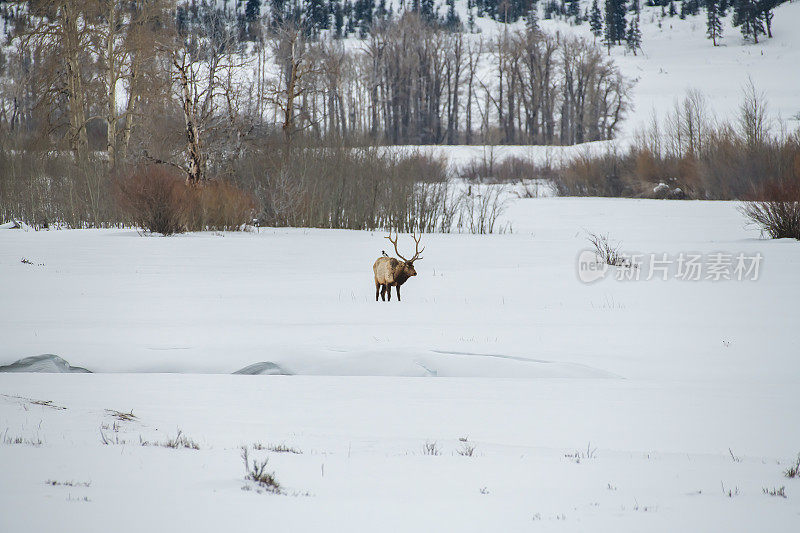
[
  {"x": 430, "y": 448},
  {"x": 256, "y": 471},
  {"x": 607, "y": 251},
  {"x": 794, "y": 470}
]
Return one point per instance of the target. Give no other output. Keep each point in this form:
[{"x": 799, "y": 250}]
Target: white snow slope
[
  {"x": 676, "y": 57},
  {"x": 615, "y": 406}
]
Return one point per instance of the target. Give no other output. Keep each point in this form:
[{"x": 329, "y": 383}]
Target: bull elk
[{"x": 389, "y": 272}]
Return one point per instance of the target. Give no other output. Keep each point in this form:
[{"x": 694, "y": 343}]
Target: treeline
[{"x": 84, "y": 75}]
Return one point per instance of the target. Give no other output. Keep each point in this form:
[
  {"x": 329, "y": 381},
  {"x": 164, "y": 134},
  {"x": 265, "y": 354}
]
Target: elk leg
[
  {"x": 398, "y": 293},
  {"x": 383, "y": 292},
  {"x": 377, "y": 290},
  {"x": 389, "y": 291}
]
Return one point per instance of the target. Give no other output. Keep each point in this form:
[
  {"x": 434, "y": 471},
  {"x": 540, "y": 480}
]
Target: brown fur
[{"x": 389, "y": 272}]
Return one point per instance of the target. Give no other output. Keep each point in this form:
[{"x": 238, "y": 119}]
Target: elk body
[{"x": 390, "y": 272}]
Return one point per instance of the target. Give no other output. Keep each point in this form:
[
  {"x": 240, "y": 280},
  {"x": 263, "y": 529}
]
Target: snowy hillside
[{"x": 678, "y": 56}]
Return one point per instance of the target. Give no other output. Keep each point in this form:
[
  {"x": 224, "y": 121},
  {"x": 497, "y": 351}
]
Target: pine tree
[
  {"x": 452, "y": 21},
  {"x": 765, "y": 7},
  {"x": 426, "y": 11},
  {"x": 338, "y": 20},
  {"x": 252, "y": 10},
  {"x": 615, "y": 22},
  {"x": 609, "y": 35},
  {"x": 633, "y": 37},
  {"x": 713, "y": 22},
  {"x": 619, "y": 20},
  {"x": 532, "y": 17},
  {"x": 596, "y": 20},
  {"x": 316, "y": 16},
  {"x": 573, "y": 10},
  {"x": 471, "y": 19},
  {"x": 747, "y": 15}
]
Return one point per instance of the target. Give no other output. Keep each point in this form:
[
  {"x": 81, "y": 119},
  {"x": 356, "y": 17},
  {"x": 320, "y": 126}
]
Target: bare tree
[{"x": 61, "y": 37}]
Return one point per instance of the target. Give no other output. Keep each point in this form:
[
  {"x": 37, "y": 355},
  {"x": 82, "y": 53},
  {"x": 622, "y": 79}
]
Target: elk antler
[
  {"x": 417, "y": 251},
  {"x": 395, "y": 245}
]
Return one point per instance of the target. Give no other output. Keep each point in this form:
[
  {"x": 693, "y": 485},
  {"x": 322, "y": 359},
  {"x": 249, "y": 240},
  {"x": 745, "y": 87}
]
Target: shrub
[
  {"x": 159, "y": 200},
  {"x": 775, "y": 208},
  {"x": 257, "y": 472},
  {"x": 154, "y": 198},
  {"x": 794, "y": 469},
  {"x": 589, "y": 175},
  {"x": 606, "y": 251},
  {"x": 217, "y": 205}
]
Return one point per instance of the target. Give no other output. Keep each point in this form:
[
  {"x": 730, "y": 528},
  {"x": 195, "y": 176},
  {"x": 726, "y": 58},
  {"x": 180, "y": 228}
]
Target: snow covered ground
[{"x": 612, "y": 406}]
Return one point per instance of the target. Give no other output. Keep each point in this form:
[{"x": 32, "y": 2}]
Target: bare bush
[
  {"x": 691, "y": 154},
  {"x": 181, "y": 441},
  {"x": 794, "y": 469},
  {"x": 154, "y": 198},
  {"x": 481, "y": 208},
  {"x": 775, "y": 491},
  {"x": 277, "y": 448},
  {"x": 217, "y": 205},
  {"x": 776, "y": 209},
  {"x": 466, "y": 449},
  {"x": 257, "y": 472},
  {"x": 606, "y": 251},
  {"x": 159, "y": 200},
  {"x": 26, "y": 441},
  {"x": 590, "y": 175},
  {"x": 430, "y": 448},
  {"x": 350, "y": 188},
  {"x": 509, "y": 170}
]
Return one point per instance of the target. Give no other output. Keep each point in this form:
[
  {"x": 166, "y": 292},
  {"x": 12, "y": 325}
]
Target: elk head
[{"x": 408, "y": 265}]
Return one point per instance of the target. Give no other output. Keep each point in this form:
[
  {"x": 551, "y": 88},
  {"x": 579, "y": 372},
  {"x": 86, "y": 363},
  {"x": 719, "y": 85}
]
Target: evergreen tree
[
  {"x": 426, "y": 11},
  {"x": 532, "y": 17},
  {"x": 633, "y": 37},
  {"x": 573, "y": 9},
  {"x": 765, "y": 7},
  {"x": 747, "y": 15},
  {"x": 252, "y": 10},
  {"x": 596, "y": 20},
  {"x": 381, "y": 13},
  {"x": 713, "y": 21},
  {"x": 316, "y": 16},
  {"x": 452, "y": 21},
  {"x": 338, "y": 19},
  {"x": 471, "y": 18},
  {"x": 615, "y": 22},
  {"x": 619, "y": 20}
]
